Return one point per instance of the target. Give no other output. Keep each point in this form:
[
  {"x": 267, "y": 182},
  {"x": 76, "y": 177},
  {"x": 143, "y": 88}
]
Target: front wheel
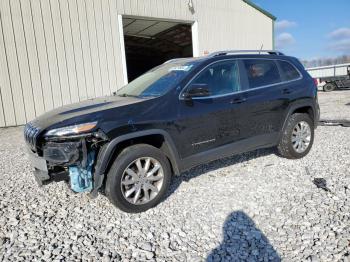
[
  {"x": 297, "y": 137},
  {"x": 138, "y": 178}
]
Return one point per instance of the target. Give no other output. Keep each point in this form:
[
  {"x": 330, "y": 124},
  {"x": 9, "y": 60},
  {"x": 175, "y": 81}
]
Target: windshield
[{"x": 158, "y": 80}]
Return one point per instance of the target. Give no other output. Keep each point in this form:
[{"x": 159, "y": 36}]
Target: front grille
[{"x": 31, "y": 133}]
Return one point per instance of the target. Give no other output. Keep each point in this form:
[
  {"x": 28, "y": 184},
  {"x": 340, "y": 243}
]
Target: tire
[
  {"x": 329, "y": 87},
  {"x": 117, "y": 191},
  {"x": 286, "y": 146}
]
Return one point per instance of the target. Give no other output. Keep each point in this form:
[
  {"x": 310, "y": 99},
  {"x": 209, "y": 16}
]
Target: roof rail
[
  {"x": 174, "y": 60},
  {"x": 227, "y": 52}
]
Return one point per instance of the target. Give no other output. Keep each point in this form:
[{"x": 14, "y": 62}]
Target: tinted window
[
  {"x": 158, "y": 80},
  {"x": 221, "y": 78},
  {"x": 289, "y": 71},
  {"x": 261, "y": 72}
]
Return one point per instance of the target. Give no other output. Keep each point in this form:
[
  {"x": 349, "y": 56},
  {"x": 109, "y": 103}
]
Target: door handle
[
  {"x": 238, "y": 100},
  {"x": 287, "y": 91}
]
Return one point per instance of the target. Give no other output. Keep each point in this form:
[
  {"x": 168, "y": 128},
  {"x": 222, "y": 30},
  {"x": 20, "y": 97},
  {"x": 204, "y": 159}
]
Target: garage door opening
[{"x": 149, "y": 43}]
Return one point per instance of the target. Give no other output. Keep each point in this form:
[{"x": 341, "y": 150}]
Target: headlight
[{"x": 71, "y": 130}]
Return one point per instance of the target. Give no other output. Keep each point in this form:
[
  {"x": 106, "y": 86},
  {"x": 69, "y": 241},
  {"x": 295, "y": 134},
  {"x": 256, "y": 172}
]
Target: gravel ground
[
  {"x": 254, "y": 206},
  {"x": 335, "y": 105}
]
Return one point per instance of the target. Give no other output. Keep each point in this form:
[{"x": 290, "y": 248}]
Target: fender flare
[
  {"x": 108, "y": 150},
  {"x": 296, "y": 106},
  {"x": 106, "y": 153}
]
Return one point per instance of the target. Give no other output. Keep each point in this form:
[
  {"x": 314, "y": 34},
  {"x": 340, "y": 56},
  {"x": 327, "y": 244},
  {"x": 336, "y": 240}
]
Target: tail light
[{"x": 315, "y": 81}]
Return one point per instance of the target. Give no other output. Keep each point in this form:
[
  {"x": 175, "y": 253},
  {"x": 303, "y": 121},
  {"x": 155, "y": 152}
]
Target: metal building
[{"x": 56, "y": 52}]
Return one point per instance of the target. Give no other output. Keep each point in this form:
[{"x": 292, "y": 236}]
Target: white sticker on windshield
[{"x": 181, "y": 68}]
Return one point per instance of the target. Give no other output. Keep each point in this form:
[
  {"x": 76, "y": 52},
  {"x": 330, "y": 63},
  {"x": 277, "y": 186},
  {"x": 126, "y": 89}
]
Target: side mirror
[{"x": 197, "y": 90}]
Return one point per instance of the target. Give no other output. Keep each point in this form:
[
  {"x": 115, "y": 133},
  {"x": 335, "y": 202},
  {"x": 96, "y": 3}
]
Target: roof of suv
[
  {"x": 246, "y": 52},
  {"x": 233, "y": 53}
]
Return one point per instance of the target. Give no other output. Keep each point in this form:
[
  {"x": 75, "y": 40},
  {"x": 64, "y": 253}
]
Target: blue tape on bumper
[{"x": 80, "y": 178}]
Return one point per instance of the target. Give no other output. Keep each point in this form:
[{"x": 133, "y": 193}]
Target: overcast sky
[{"x": 310, "y": 29}]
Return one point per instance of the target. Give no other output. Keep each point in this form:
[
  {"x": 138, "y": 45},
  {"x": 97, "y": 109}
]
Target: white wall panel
[
  {"x": 69, "y": 50},
  {"x": 95, "y": 58},
  {"x": 77, "y": 49},
  {"x": 101, "y": 42},
  {"x": 116, "y": 47},
  {"x": 33, "y": 64},
  {"x": 42, "y": 55},
  {"x": 7, "y": 110},
  {"x": 110, "y": 47},
  {"x": 51, "y": 53},
  {"x": 12, "y": 62},
  {"x": 54, "y": 52},
  {"x": 22, "y": 58},
  {"x": 60, "y": 52},
  {"x": 86, "y": 47}
]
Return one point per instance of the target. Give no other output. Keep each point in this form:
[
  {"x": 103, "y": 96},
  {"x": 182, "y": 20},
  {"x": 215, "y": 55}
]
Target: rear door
[
  {"x": 265, "y": 101},
  {"x": 292, "y": 86}
]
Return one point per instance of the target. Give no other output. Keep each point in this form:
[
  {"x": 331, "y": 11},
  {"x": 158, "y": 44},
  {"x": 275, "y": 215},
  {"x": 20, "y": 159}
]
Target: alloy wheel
[
  {"x": 142, "y": 180},
  {"x": 301, "y": 137}
]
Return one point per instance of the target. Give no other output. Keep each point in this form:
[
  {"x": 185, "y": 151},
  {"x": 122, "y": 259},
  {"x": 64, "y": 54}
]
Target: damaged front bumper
[
  {"x": 71, "y": 160},
  {"x": 41, "y": 173}
]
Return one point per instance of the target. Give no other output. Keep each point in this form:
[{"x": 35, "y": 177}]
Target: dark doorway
[{"x": 149, "y": 43}]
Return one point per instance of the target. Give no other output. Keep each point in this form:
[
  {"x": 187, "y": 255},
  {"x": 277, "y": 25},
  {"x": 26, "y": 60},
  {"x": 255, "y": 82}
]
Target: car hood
[{"x": 86, "y": 111}]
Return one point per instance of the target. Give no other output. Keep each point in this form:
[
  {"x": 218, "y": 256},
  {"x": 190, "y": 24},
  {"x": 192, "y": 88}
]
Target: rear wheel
[
  {"x": 297, "y": 137},
  {"x": 329, "y": 87},
  {"x": 138, "y": 179}
]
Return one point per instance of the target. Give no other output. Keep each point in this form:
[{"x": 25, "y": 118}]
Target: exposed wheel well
[
  {"x": 156, "y": 140},
  {"x": 305, "y": 110}
]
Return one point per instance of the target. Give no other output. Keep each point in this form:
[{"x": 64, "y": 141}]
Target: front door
[{"x": 208, "y": 122}]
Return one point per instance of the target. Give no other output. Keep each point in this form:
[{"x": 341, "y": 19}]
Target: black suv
[{"x": 180, "y": 114}]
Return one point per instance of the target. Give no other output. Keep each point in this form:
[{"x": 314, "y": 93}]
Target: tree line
[{"x": 326, "y": 61}]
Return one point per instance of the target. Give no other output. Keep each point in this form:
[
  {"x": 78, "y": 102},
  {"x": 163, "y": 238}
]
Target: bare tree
[{"x": 326, "y": 61}]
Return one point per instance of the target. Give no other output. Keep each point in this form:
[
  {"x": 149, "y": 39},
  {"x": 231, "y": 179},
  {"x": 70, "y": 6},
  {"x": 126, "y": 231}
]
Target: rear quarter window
[
  {"x": 289, "y": 71},
  {"x": 261, "y": 72}
]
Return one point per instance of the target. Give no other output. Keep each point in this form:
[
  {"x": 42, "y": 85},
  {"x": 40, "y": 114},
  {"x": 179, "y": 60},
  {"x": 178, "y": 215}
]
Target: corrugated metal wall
[{"x": 56, "y": 52}]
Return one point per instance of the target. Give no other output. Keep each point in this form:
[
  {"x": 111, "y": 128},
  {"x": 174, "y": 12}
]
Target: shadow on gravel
[
  {"x": 211, "y": 166},
  {"x": 243, "y": 242}
]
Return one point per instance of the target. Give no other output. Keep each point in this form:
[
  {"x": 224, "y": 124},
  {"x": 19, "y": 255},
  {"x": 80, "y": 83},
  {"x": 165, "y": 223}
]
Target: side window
[
  {"x": 261, "y": 72},
  {"x": 221, "y": 78},
  {"x": 289, "y": 71}
]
